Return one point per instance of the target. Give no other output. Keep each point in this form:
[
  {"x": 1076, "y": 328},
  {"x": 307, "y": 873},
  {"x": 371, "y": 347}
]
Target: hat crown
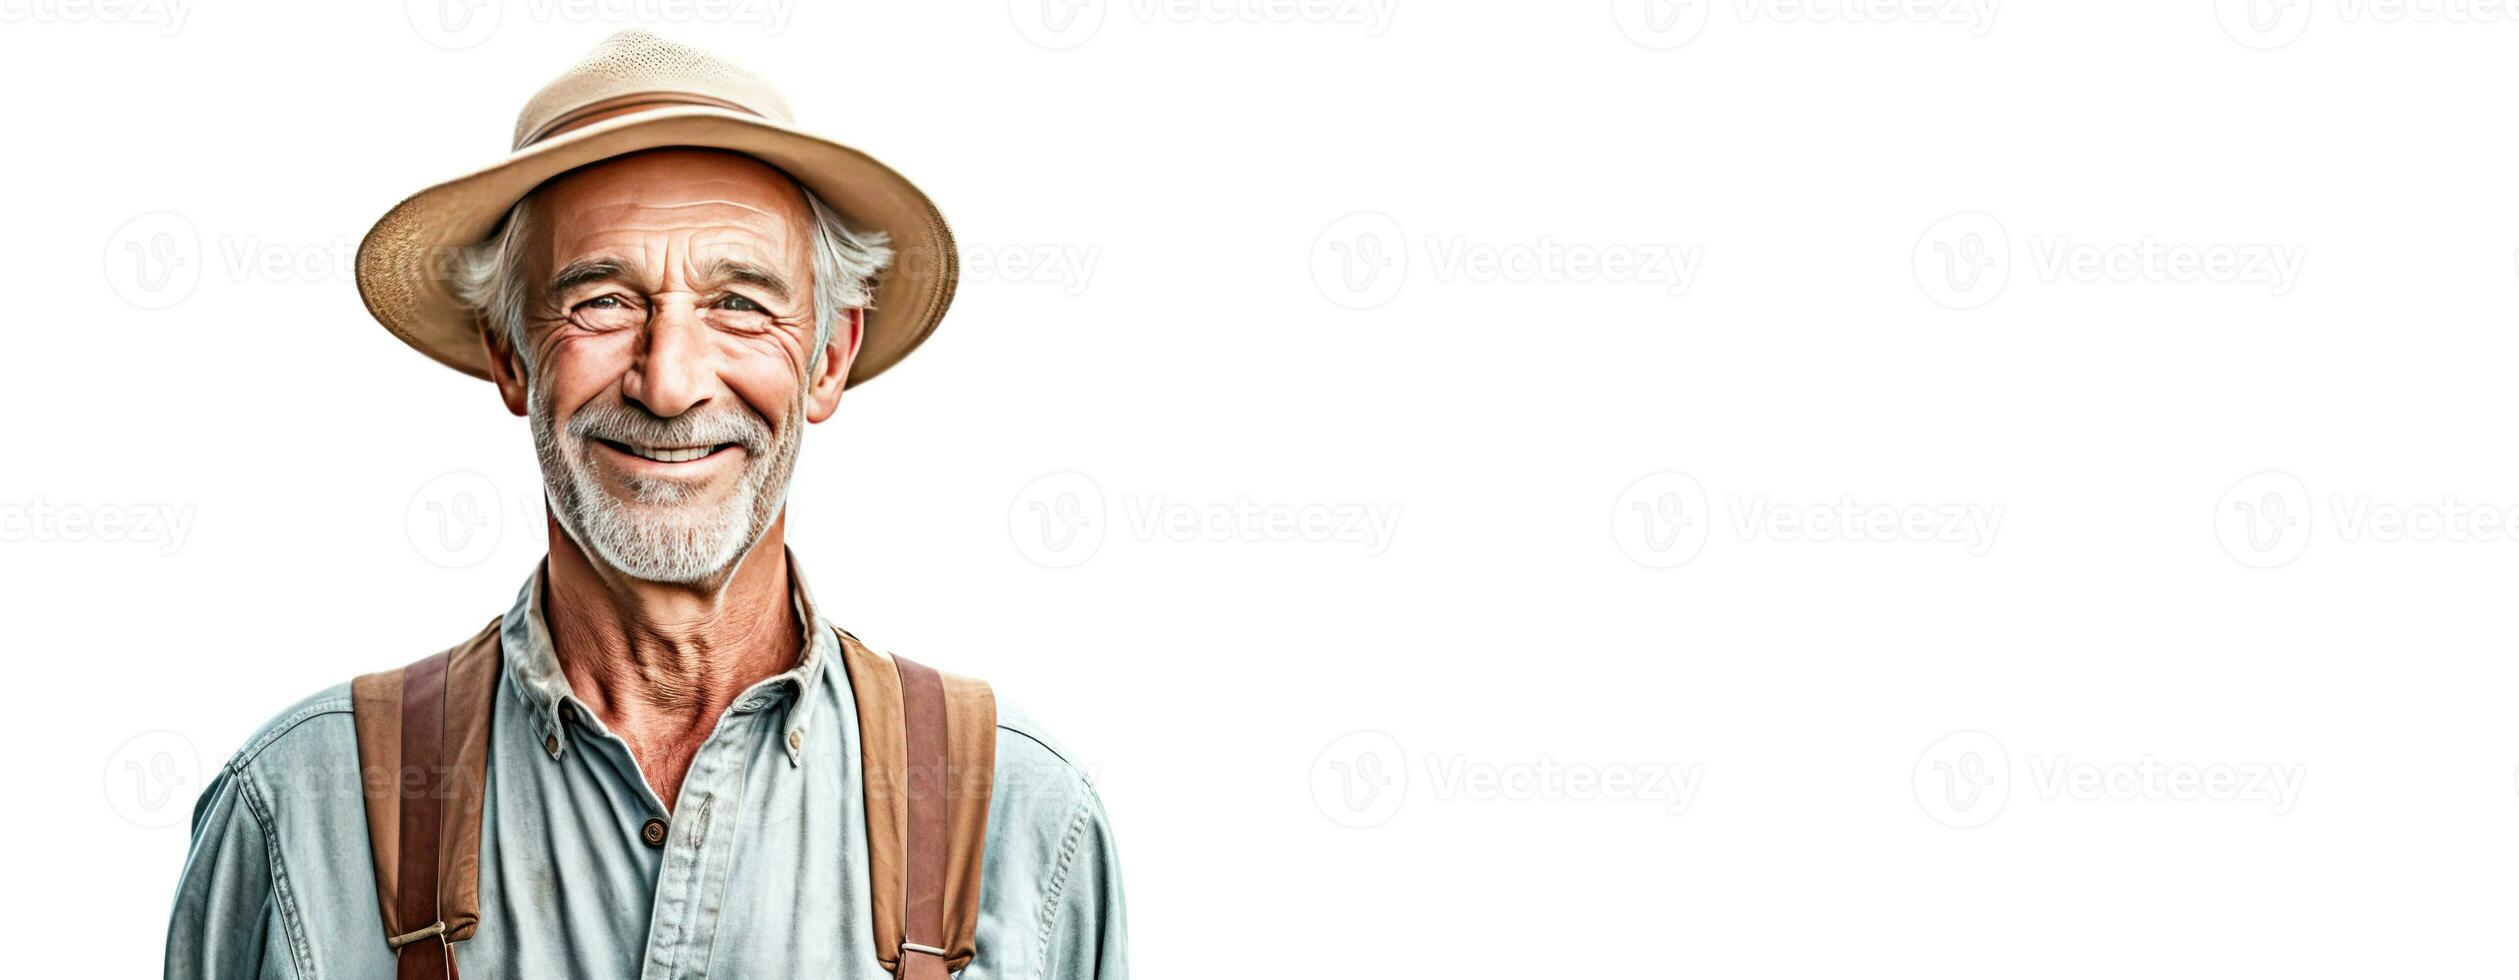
[{"x": 636, "y": 63}]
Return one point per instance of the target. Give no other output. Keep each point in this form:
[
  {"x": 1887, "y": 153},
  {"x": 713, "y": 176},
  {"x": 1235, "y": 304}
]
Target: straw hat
[{"x": 635, "y": 92}]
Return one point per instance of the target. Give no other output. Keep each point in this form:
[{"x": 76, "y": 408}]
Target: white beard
[{"x": 662, "y": 535}]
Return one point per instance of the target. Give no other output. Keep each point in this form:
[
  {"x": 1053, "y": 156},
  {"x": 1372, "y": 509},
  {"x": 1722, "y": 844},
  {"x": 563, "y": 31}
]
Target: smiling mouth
[{"x": 668, "y": 454}]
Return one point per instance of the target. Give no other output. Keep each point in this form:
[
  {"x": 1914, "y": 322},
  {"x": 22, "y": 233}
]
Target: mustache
[{"x": 615, "y": 422}]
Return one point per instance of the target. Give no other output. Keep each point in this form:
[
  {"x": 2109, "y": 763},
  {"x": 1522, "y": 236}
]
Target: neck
[{"x": 659, "y": 662}]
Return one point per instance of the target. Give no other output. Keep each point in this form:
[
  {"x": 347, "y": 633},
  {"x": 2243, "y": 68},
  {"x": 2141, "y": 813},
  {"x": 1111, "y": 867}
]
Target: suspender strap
[
  {"x": 927, "y": 776},
  {"x": 928, "y": 742},
  {"x": 422, "y": 954},
  {"x": 423, "y": 754}
]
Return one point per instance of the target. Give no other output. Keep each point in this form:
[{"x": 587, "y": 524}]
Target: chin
[{"x": 683, "y": 543}]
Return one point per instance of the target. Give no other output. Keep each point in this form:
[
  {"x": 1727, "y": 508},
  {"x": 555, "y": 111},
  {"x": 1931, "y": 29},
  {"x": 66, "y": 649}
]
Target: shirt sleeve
[
  {"x": 228, "y": 923},
  {"x": 1088, "y": 937}
]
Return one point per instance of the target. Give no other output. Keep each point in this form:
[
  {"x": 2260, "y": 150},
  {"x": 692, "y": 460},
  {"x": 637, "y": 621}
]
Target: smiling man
[{"x": 661, "y": 761}]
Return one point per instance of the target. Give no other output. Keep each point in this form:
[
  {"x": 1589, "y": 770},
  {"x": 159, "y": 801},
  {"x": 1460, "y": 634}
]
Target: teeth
[{"x": 672, "y": 455}]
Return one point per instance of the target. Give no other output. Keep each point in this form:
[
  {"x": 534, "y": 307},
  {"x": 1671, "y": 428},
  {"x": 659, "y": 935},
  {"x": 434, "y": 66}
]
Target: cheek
[
  {"x": 768, "y": 387},
  {"x": 575, "y": 370}
]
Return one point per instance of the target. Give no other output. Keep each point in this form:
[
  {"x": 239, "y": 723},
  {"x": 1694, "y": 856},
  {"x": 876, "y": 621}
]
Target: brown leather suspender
[
  {"x": 422, "y": 954},
  {"x": 928, "y": 754},
  {"x": 424, "y": 746},
  {"x": 923, "y": 949}
]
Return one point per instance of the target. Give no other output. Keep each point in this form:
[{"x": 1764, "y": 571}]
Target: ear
[
  {"x": 823, "y": 387},
  {"x": 507, "y": 368}
]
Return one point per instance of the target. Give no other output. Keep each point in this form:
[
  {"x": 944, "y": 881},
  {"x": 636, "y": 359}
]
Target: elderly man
[{"x": 660, "y": 762}]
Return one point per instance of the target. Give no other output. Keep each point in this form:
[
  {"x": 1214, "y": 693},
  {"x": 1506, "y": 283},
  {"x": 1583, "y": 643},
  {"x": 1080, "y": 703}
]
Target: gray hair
[{"x": 490, "y": 277}]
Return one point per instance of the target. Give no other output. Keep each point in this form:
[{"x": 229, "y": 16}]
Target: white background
[{"x": 1180, "y": 319}]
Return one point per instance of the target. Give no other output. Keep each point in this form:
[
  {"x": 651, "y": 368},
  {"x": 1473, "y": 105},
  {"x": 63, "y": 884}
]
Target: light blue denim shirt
[{"x": 762, "y": 873}]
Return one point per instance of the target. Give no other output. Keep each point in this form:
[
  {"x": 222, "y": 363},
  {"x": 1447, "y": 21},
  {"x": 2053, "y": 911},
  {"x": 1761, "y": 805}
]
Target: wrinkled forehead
[{"x": 667, "y": 205}]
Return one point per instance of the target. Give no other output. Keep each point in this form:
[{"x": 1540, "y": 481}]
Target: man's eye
[
  {"x": 741, "y": 304},
  {"x": 601, "y": 303}
]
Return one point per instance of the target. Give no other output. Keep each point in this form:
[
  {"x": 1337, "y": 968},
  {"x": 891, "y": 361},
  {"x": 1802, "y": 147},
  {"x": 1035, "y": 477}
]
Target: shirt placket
[{"x": 700, "y": 845}]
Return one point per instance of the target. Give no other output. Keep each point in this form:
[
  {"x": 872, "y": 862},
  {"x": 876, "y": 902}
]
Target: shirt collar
[{"x": 534, "y": 676}]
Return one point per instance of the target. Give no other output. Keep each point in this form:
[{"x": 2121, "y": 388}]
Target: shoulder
[
  {"x": 301, "y": 765},
  {"x": 275, "y": 837},
  {"x": 1051, "y": 878},
  {"x": 1040, "y": 786},
  {"x": 293, "y": 775},
  {"x": 1028, "y": 738},
  {"x": 312, "y": 723}
]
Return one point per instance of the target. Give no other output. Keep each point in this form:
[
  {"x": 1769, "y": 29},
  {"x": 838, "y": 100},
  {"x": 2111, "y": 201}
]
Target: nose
[{"x": 671, "y": 375}]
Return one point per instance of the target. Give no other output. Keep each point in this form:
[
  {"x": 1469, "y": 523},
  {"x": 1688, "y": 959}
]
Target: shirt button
[
  {"x": 653, "y": 833},
  {"x": 551, "y": 744},
  {"x": 796, "y": 739}
]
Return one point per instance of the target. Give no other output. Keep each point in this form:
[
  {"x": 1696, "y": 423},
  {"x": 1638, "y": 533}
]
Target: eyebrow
[
  {"x": 738, "y": 270},
  {"x": 584, "y": 271}
]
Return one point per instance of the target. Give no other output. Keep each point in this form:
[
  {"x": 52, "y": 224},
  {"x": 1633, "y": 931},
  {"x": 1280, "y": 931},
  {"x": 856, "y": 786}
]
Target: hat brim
[{"x": 404, "y": 262}]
